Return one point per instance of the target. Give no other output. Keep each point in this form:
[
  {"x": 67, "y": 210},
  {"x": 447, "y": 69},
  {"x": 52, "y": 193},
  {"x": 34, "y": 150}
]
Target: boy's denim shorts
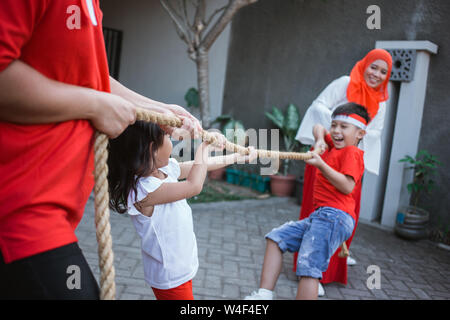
[{"x": 316, "y": 239}]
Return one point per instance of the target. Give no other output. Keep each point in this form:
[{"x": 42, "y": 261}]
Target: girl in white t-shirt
[{"x": 143, "y": 182}]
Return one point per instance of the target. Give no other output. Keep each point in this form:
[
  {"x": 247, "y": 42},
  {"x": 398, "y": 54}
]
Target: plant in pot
[
  {"x": 234, "y": 131},
  {"x": 412, "y": 221},
  {"x": 288, "y": 123}
]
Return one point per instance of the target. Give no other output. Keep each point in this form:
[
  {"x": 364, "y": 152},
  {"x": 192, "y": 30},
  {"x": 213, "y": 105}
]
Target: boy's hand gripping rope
[{"x": 103, "y": 228}]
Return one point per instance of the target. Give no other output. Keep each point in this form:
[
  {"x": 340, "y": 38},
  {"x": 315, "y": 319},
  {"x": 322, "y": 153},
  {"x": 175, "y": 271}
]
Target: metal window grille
[
  {"x": 403, "y": 63},
  {"x": 113, "y": 44}
]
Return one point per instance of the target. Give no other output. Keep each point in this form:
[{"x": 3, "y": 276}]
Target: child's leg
[
  {"x": 287, "y": 237},
  {"x": 273, "y": 261},
  {"x": 307, "y": 288},
  {"x": 182, "y": 292},
  {"x": 329, "y": 228}
]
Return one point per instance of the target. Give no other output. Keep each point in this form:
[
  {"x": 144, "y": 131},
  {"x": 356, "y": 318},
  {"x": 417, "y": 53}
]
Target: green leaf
[
  {"x": 191, "y": 98},
  {"x": 407, "y": 159},
  {"x": 275, "y": 120},
  {"x": 239, "y": 133},
  {"x": 410, "y": 187},
  {"x": 293, "y": 145},
  {"x": 423, "y": 153},
  {"x": 234, "y": 131},
  {"x": 292, "y": 119},
  {"x": 228, "y": 130},
  {"x": 287, "y": 142},
  {"x": 278, "y": 114},
  {"x": 239, "y": 125},
  {"x": 277, "y": 117},
  {"x": 222, "y": 118},
  {"x": 229, "y": 134}
]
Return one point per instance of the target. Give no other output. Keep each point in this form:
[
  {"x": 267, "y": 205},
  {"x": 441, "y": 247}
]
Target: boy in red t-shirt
[{"x": 317, "y": 237}]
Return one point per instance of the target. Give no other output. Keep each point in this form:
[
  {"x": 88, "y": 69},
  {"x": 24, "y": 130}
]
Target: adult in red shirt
[{"x": 55, "y": 91}]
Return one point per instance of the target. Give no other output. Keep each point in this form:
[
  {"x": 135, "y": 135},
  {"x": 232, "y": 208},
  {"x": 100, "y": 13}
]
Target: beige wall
[{"x": 154, "y": 60}]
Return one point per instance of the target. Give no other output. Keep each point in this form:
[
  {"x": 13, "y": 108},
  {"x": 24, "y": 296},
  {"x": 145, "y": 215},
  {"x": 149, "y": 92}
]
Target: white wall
[{"x": 154, "y": 60}]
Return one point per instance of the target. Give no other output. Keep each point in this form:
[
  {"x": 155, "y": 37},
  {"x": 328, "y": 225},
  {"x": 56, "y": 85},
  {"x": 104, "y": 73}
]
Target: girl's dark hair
[
  {"x": 130, "y": 158},
  {"x": 352, "y": 108}
]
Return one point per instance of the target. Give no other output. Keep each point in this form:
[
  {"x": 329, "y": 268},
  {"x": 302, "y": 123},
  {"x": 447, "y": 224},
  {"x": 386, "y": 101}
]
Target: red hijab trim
[{"x": 359, "y": 92}]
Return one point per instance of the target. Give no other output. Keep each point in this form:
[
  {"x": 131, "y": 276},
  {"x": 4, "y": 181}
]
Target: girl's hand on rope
[
  {"x": 175, "y": 133},
  {"x": 190, "y": 123},
  {"x": 213, "y": 142},
  {"x": 252, "y": 156},
  {"x": 219, "y": 143},
  {"x": 112, "y": 114},
  {"x": 187, "y": 131}
]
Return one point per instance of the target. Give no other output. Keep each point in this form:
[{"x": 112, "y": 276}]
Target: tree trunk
[
  {"x": 199, "y": 44},
  {"x": 203, "y": 86}
]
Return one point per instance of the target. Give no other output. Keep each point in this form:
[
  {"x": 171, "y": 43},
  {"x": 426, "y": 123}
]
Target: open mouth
[{"x": 338, "y": 139}]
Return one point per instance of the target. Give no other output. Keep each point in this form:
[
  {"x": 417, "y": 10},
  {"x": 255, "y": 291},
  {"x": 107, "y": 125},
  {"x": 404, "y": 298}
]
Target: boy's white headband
[{"x": 353, "y": 119}]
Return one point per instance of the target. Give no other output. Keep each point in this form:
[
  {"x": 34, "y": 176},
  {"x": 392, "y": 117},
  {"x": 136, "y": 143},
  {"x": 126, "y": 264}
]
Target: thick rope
[
  {"x": 103, "y": 228},
  {"x": 173, "y": 121}
]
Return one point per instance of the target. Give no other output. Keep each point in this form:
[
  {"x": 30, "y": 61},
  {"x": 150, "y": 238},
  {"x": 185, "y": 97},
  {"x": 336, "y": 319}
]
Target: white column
[
  {"x": 408, "y": 124},
  {"x": 373, "y": 187}
]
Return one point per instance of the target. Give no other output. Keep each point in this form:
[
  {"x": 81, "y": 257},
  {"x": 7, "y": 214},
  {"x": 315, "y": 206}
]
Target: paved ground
[{"x": 231, "y": 247}]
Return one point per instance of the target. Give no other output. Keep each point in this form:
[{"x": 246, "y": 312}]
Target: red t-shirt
[
  {"x": 46, "y": 171},
  {"x": 348, "y": 161}
]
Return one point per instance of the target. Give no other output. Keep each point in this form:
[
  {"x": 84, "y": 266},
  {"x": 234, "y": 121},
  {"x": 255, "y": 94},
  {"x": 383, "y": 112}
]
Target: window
[{"x": 113, "y": 44}]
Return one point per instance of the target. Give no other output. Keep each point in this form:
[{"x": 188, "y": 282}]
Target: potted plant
[
  {"x": 234, "y": 131},
  {"x": 412, "y": 221},
  {"x": 283, "y": 184}
]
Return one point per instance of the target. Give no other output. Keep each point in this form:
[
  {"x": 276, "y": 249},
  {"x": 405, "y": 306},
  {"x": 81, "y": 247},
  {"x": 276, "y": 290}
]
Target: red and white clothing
[
  {"x": 182, "y": 292},
  {"x": 351, "y": 88},
  {"x": 348, "y": 161},
  {"x": 168, "y": 243},
  {"x": 320, "y": 111},
  {"x": 46, "y": 170}
]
